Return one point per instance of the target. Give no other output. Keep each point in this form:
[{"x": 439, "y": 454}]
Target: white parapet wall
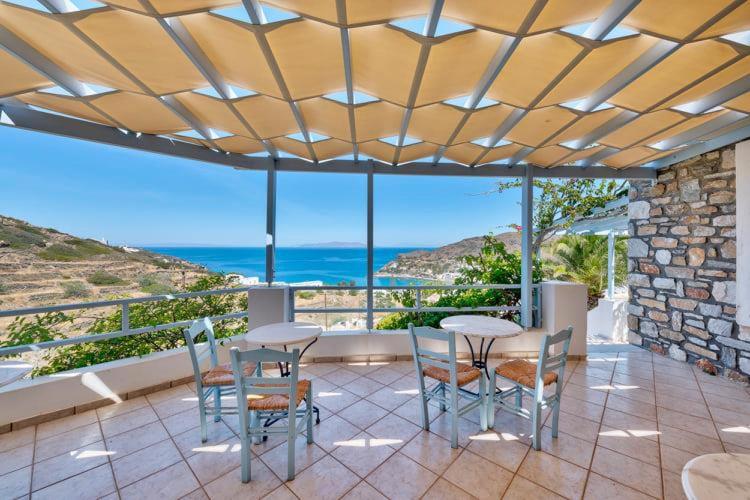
[{"x": 32, "y": 400}]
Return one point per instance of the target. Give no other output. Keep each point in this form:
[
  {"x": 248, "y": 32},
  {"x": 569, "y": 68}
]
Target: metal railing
[{"x": 125, "y": 304}]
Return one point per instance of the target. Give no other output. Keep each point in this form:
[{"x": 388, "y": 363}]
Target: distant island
[{"x": 333, "y": 244}]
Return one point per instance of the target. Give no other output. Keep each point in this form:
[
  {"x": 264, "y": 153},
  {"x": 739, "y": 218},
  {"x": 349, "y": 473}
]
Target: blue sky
[{"x": 135, "y": 198}]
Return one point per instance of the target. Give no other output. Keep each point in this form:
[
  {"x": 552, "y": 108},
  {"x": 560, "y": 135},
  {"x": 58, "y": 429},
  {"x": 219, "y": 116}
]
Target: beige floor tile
[
  {"x": 94, "y": 483},
  {"x": 643, "y": 449},
  {"x": 736, "y": 435},
  {"x": 406, "y": 384},
  {"x": 554, "y": 474},
  {"x": 189, "y": 442},
  {"x": 634, "y": 425},
  {"x": 385, "y": 375},
  {"x": 363, "y": 453},
  {"x": 444, "y": 490},
  {"x": 341, "y": 376},
  {"x": 673, "y": 459},
  {"x": 320, "y": 369},
  {"x": 16, "y": 458},
  {"x": 69, "y": 464},
  {"x": 281, "y": 493},
  {"x": 198, "y": 494},
  {"x": 65, "y": 424},
  {"x": 523, "y": 489},
  {"x": 135, "y": 439},
  {"x": 687, "y": 441},
  {"x": 304, "y": 456},
  {"x": 128, "y": 421},
  {"x": 632, "y": 406},
  {"x": 694, "y": 408},
  {"x": 731, "y": 390},
  {"x": 714, "y": 401},
  {"x": 333, "y": 430},
  {"x": 412, "y": 411},
  {"x": 179, "y": 391},
  {"x": 181, "y": 422},
  {"x": 401, "y": 477},
  {"x": 673, "y": 486},
  {"x": 628, "y": 471},
  {"x": 363, "y": 491},
  {"x": 16, "y": 484},
  {"x": 504, "y": 450},
  {"x": 634, "y": 393},
  {"x": 729, "y": 418},
  {"x": 362, "y": 367},
  {"x": 213, "y": 461},
  {"x": 394, "y": 429},
  {"x": 230, "y": 485},
  {"x": 466, "y": 429},
  {"x": 689, "y": 423},
  {"x": 363, "y": 413},
  {"x": 363, "y": 386},
  {"x": 581, "y": 408},
  {"x": 325, "y": 479},
  {"x": 180, "y": 404},
  {"x": 599, "y": 487},
  {"x": 16, "y": 439},
  {"x": 678, "y": 391},
  {"x": 431, "y": 451},
  {"x": 575, "y": 426},
  {"x": 584, "y": 394},
  {"x": 389, "y": 398},
  {"x": 172, "y": 482},
  {"x": 67, "y": 441},
  {"x": 336, "y": 400},
  {"x": 145, "y": 462},
  {"x": 478, "y": 476},
  {"x": 570, "y": 448}
]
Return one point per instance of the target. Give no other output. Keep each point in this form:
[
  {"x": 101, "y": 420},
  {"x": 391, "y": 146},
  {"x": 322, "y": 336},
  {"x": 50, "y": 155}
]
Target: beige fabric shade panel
[{"x": 543, "y": 92}]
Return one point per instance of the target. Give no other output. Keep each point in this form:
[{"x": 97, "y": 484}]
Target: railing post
[
  {"x": 419, "y": 300},
  {"x": 370, "y": 246},
  {"x": 610, "y": 264},
  {"x": 527, "y": 231},
  {"x": 125, "y": 321}
]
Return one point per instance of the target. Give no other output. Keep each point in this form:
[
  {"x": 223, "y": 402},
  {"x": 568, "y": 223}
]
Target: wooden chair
[
  {"x": 269, "y": 400},
  {"x": 215, "y": 383},
  {"x": 530, "y": 379},
  {"x": 451, "y": 377}
]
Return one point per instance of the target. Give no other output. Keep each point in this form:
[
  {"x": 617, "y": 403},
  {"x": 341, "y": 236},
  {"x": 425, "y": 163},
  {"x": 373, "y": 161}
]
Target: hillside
[
  {"x": 41, "y": 266},
  {"x": 442, "y": 263}
]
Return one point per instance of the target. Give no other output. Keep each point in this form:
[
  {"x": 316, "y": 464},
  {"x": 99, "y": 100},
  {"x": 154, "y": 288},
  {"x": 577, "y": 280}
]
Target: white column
[
  {"x": 610, "y": 264},
  {"x": 270, "y": 222},
  {"x": 527, "y": 233},
  {"x": 742, "y": 172}
]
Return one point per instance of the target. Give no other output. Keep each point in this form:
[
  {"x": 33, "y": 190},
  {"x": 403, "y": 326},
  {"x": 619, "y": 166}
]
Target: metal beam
[
  {"x": 271, "y": 222},
  {"x": 29, "y": 119},
  {"x": 370, "y": 245},
  {"x": 527, "y": 233},
  {"x": 721, "y": 121},
  {"x": 610, "y": 264},
  {"x": 717, "y": 98},
  {"x": 604, "y": 24},
  {"x": 347, "y": 58}
]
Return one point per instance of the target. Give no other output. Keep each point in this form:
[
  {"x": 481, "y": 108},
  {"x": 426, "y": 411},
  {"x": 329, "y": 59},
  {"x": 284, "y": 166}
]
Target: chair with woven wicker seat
[
  {"x": 269, "y": 400},
  {"x": 216, "y": 382},
  {"x": 530, "y": 379},
  {"x": 451, "y": 378}
]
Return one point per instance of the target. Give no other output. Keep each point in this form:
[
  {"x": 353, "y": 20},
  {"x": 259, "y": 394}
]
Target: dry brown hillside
[{"x": 40, "y": 266}]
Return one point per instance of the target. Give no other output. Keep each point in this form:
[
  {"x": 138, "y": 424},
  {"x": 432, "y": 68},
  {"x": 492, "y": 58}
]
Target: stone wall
[{"x": 681, "y": 263}]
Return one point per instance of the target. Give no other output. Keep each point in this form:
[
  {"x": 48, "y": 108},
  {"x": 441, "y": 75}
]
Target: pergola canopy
[{"x": 617, "y": 83}]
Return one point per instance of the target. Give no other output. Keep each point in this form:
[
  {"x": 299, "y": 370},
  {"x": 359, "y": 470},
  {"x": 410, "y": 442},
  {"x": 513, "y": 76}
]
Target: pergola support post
[
  {"x": 270, "y": 222},
  {"x": 527, "y": 233},
  {"x": 370, "y": 246},
  {"x": 610, "y": 264}
]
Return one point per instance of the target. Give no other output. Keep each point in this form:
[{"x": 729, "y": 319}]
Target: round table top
[
  {"x": 717, "y": 475},
  {"x": 481, "y": 326},
  {"x": 288, "y": 333},
  {"x": 10, "y": 371}
]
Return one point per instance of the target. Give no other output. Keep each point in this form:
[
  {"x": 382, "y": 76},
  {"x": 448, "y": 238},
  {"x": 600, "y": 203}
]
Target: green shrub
[
  {"x": 21, "y": 237},
  {"x": 61, "y": 253},
  {"x": 155, "y": 284},
  {"x": 305, "y": 294},
  {"x": 74, "y": 289},
  {"x": 103, "y": 278}
]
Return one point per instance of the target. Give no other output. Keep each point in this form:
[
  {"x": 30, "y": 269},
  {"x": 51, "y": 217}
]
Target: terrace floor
[{"x": 630, "y": 421}]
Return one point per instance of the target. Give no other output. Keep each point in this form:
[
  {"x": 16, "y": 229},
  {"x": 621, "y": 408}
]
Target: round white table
[
  {"x": 483, "y": 327},
  {"x": 11, "y": 370},
  {"x": 717, "y": 475},
  {"x": 284, "y": 334}
]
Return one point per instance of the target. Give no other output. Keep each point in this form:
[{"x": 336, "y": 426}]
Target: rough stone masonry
[{"x": 682, "y": 263}]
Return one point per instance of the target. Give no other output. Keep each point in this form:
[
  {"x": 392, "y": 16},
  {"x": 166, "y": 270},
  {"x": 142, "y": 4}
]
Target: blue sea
[{"x": 293, "y": 265}]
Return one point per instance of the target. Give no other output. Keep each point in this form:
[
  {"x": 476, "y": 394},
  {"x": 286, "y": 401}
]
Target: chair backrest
[
  {"x": 554, "y": 362},
  {"x": 257, "y": 384},
  {"x": 422, "y": 356},
  {"x": 198, "y": 353}
]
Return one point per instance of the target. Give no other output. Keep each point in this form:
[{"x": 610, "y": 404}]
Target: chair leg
[
  {"x": 290, "y": 441},
  {"x": 519, "y": 397},
  {"x": 485, "y": 401},
  {"x": 255, "y": 423},
  {"x": 442, "y": 393},
  {"x": 555, "y": 418},
  {"x": 491, "y": 401},
  {"x": 536, "y": 423},
  {"x": 202, "y": 412},
  {"x": 245, "y": 458},
  {"x": 309, "y": 408},
  {"x": 454, "y": 417},
  {"x": 423, "y": 401},
  {"x": 217, "y": 403}
]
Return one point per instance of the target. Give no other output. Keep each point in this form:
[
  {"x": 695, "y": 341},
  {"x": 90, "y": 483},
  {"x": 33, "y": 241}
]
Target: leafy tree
[
  {"x": 52, "y": 326},
  {"x": 560, "y": 203},
  {"x": 583, "y": 259},
  {"x": 493, "y": 265}
]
